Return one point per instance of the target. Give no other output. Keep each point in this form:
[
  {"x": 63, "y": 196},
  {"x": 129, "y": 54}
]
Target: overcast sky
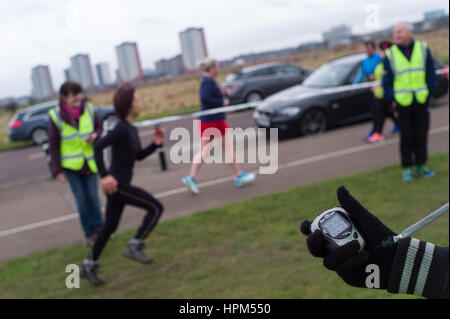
[{"x": 49, "y": 32}]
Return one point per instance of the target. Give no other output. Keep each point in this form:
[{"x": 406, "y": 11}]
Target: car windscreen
[
  {"x": 233, "y": 77},
  {"x": 329, "y": 76}
]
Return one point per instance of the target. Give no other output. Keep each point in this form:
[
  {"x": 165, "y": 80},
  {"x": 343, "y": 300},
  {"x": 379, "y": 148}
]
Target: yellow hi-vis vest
[
  {"x": 73, "y": 147},
  {"x": 409, "y": 75},
  {"x": 378, "y": 74}
]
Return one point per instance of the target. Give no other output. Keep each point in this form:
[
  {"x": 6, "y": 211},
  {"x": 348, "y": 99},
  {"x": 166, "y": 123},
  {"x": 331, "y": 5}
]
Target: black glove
[{"x": 350, "y": 264}]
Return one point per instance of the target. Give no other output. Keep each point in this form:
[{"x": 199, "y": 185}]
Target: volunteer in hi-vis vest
[
  {"x": 73, "y": 128},
  {"x": 408, "y": 82},
  {"x": 381, "y": 107}
]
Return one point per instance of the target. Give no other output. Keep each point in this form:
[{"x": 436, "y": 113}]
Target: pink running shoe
[{"x": 376, "y": 138}]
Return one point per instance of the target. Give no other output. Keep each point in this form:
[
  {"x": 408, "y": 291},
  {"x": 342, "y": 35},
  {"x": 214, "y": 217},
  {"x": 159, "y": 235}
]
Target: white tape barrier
[
  {"x": 244, "y": 106},
  {"x": 225, "y": 109}
]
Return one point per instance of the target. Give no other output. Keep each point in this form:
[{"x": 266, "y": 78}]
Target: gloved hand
[{"x": 348, "y": 263}]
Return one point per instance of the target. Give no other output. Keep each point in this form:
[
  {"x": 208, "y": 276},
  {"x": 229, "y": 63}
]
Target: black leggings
[
  {"x": 381, "y": 109},
  {"x": 414, "y": 122},
  {"x": 114, "y": 207}
]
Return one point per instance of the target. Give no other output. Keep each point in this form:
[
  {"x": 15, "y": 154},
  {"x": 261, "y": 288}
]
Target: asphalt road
[{"x": 37, "y": 214}]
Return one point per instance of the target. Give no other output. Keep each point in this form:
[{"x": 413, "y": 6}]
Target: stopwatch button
[{"x": 305, "y": 227}]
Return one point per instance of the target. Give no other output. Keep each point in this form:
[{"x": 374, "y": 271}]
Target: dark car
[
  {"x": 32, "y": 123},
  {"x": 323, "y": 101},
  {"x": 257, "y": 82}
]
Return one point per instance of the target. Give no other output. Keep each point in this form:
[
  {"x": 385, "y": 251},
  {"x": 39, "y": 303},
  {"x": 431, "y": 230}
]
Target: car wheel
[
  {"x": 314, "y": 121},
  {"x": 109, "y": 122},
  {"x": 39, "y": 136},
  {"x": 253, "y": 97}
]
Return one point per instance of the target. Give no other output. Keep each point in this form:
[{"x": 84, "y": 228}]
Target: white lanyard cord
[
  {"x": 421, "y": 223},
  {"x": 392, "y": 240}
]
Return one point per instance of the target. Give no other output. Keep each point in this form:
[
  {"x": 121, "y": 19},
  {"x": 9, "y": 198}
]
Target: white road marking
[
  {"x": 36, "y": 156},
  {"x": 320, "y": 157}
]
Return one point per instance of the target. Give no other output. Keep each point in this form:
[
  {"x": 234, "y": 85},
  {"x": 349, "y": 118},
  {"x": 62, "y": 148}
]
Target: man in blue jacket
[
  {"x": 367, "y": 70},
  {"x": 369, "y": 64}
]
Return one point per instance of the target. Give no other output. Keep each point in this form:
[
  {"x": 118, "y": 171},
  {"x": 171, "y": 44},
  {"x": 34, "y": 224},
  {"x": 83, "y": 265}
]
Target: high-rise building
[
  {"x": 42, "y": 83},
  {"x": 81, "y": 71},
  {"x": 339, "y": 35},
  {"x": 172, "y": 66},
  {"x": 117, "y": 80},
  {"x": 434, "y": 14},
  {"x": 67, "y": 75},
  {"x": 130, "y": 69},
  {"x": 193, "y": 48},
  {"x": 104, "y": 78}
]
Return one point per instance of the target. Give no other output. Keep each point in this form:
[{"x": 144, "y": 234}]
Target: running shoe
[
  {"x": 424, "y": 171},
  {"x": 407, "y": 174},
  {"x": 88, "y": 270},
  {"x": 395, "y": 129},
  {"x": 192, "y": 184},
  {"x": 244, "y": 178},
  {"x": 135, "y": 250},
  {"x": 368, "y": 136},
  {"x": 376, "y": 138}
]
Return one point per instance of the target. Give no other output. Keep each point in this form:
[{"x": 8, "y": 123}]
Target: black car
[
  {"x": 322, "y": 102},
  {"x": 257, "y": 82},
  {"x": 32, "y": 123}
]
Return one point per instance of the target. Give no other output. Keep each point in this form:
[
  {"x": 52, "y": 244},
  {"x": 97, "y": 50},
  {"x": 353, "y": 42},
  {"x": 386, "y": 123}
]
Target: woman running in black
[{"x": 126, "y": 149}]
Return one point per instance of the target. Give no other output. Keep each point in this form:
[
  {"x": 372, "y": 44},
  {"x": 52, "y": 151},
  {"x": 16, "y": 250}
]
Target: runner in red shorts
[{"x": 211, "y": 96}]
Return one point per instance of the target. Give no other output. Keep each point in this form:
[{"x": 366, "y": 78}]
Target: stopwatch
[{"x": 338, "y": 228}]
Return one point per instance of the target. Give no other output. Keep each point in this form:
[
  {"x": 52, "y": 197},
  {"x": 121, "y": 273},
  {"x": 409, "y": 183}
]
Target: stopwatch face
[{"x": 335, "y": 225}]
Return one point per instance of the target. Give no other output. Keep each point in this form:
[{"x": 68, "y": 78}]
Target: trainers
[
  {"x": 395, "y": 129},
  {"x": 366, "y": 138},
  {"x": 88, "y": 270},
  {"x": 244, "y": 178},
  {"x": 191, "y": 183},
  {"x": 407, "y": 174},
  {"x": 135, "y": 250},
  {"x": 424, "y": 171},
  {"x": 376, "y": 138}
]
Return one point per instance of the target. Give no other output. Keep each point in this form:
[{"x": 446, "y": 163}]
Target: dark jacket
[
  {"x": 419, "y": 268},
  {"x": 388, "y": 78},
  {"x": 54, "y": 140},
  {"x": 210, "y": 97}
]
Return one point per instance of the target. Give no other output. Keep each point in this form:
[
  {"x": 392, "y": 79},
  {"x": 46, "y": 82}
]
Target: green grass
[
  {"x": 14, "y": 145},
  {"x": 11, "y": 145},
  {"x": 251, "y": 249}
]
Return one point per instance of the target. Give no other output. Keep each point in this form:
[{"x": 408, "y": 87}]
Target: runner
[
  {"x": 126, "y": 149},
  {"x": 211, "y": 96},
  {"x": 381, "y": 107}
]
